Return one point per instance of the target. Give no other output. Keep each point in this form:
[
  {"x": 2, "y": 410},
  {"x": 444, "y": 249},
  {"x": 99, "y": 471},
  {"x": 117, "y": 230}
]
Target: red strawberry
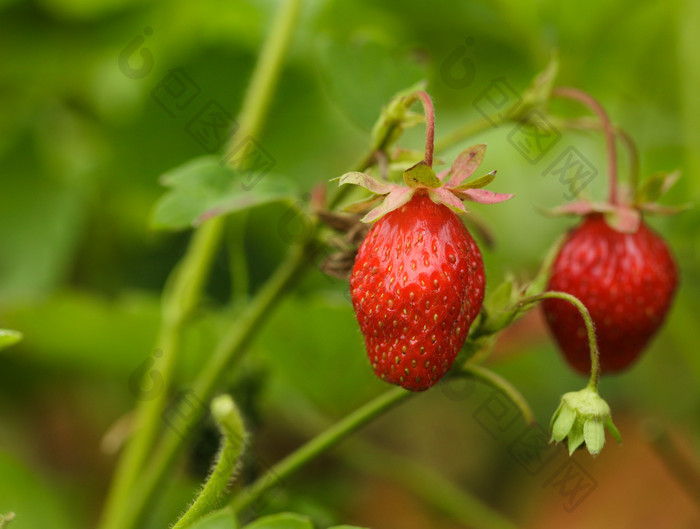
[
  {"x": 627, "y": 282},
  {"x": 417, "y": 286}
]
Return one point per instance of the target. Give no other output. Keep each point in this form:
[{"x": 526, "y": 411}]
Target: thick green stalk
[{"x": 319, "y": 445}]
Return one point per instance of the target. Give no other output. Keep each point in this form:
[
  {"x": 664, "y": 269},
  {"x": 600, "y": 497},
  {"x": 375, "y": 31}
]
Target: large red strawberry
[
  {"x": 627, "y": 282},
  {"x": 417, "y": 285},
  {"x": 418, "y": 280}
]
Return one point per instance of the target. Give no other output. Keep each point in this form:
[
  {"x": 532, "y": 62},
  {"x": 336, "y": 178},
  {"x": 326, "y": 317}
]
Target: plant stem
[
  {"x": 624, "y": 137},
  {"x": 588, "y": 322},
  {"x": 470, "y": 129},
  {"x": 429, "y": 125},
  {"x": 188, "y": 282},
  {"x": 232, "y": 430},
  {"x": 501, "y": 384},
  {"x": 230, "y": 349},
  {"x": 428, "y": 485},
  {"x": 267, "y": 70},
  {"x": 678, "y": 462},
  {"x": 588, "y": 100},
  {"x": 319, "y": 445},
  {"x": 179, "y": 300}
]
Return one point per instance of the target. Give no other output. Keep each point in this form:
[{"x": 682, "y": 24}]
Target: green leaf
[
  {"x": 221, "y": 519},
  {"x": 421, "y": 175},
  {"x": 285, "y": 520},
  {"x": 655, "y": 186},
  {"x": 9, "y": 338},
  {"x": 203, "y": 188},
  {"x": 347, "y": 527}
]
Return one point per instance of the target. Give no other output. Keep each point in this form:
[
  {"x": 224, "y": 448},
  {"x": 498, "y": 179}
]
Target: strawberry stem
[
  {"x": 429, "y": 125},
  {"x": 585, "y": 98},
  {"x": 588, "y": 322}
]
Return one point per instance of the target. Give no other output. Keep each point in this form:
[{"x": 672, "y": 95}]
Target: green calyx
[{"x": 582, "y": 417}]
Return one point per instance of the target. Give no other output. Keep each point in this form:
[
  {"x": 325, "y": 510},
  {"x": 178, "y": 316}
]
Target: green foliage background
[{"x": 82, "y": 147}]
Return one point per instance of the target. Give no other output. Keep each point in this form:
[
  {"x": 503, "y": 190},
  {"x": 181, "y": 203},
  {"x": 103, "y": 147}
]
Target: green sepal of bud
[{"x": 582, "y": 418}]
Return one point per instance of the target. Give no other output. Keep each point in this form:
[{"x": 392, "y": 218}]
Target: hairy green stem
[
  {"x": 188, "y": 282},
  {"x": 179, "y": 300},
  {"x": 230, "y": 349},
  {"x": 501, "y": 384},
  {"x": 212, "y": 494},
  {"x": 319, "y": 445},
  {"x": 588, "y": 322}
]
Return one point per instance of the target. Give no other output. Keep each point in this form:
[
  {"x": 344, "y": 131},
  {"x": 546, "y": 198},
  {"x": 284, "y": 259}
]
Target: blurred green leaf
[
  {"x": 222, "y": 519},
  {"x": 204, "y": 187},
  {"x": 40, "y": 226},
  {"x": 361, "y": 77},
  {"x": 281, "y": 521},
  {"x": 72, "y": 331},
  {"x": 9, "y": 338},
  {"x": 318, "y": 334}
]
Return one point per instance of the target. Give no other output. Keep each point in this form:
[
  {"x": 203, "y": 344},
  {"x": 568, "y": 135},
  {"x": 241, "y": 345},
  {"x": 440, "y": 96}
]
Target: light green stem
[
  {"x": 501, "y": 384},
  {"x": 588, "y": 322},
  {"x": 179, "y": 300},
  {"x": 428, "y": 485},
  {"x": 233, "y": 432},
  {"x": 230, "y": 349},
  {"x": 319, "y": 445},
  {"x": 188, "y": 282},
  {"x": 462, "y": 133}
]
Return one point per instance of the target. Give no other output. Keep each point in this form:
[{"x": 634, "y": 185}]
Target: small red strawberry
[
  {"x": 627, "y": 282},
  {"x": 613, "y": 263},
  {"x": 418, "y": 280}
]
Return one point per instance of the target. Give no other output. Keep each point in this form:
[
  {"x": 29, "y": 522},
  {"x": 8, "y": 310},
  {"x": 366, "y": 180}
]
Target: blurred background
[{"x": 87, "y": 128}]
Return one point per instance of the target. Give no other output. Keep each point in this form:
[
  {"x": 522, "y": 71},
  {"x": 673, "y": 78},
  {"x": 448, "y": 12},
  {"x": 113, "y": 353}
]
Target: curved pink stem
[{"x": 585, "y": 98}]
